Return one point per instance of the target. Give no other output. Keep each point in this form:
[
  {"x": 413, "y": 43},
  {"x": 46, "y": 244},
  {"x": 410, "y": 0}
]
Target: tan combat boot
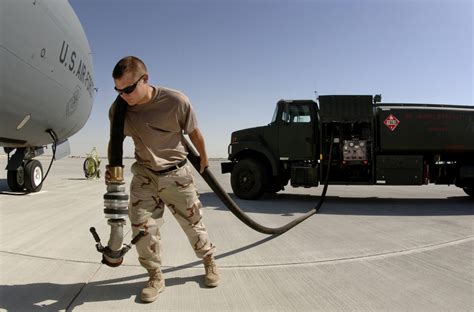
[
  {"x": 211, "y": 279},
  {"x": 154, "y": 286}
]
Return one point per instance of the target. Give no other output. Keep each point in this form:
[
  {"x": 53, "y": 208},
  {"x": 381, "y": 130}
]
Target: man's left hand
[{"x": 204, "y": 165}]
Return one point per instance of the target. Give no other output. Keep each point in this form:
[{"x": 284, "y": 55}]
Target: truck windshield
[{"x": 275, "y": 113}]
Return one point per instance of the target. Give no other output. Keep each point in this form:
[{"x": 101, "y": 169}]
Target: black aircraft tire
[
  {"x": 16, "y": 183},
  {"x": 247, "y": 179},
  {"x": 33, "y": 176}
]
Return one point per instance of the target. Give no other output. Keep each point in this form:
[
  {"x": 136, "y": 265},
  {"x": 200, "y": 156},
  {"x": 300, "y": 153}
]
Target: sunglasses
[{"x": 130, "y": 88}]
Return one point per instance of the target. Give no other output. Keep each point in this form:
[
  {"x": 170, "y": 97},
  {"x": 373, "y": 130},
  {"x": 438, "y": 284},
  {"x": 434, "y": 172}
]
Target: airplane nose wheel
[
  {"x": 16, "y": 179},
  {"x": 33, "y": 176}
]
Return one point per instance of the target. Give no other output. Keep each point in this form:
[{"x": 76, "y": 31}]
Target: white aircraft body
[{"x": 46, "y": 84}]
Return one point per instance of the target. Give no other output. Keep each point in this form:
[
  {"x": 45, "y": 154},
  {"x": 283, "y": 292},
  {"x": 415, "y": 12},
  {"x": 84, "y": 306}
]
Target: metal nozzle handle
[{"x": 94, "y": 233}]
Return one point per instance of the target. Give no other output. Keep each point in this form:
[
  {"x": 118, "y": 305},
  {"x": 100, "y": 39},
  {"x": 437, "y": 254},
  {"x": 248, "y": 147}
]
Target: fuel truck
[{"x": 353, "y": 140}]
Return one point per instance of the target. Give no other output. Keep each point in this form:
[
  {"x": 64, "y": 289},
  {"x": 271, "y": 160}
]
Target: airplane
[{"x": 46, "y": 85}]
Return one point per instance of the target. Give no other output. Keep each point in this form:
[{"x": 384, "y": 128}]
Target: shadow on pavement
[
  {"x": 54, "y": 297},
  {"x": 291, "y": 204}
]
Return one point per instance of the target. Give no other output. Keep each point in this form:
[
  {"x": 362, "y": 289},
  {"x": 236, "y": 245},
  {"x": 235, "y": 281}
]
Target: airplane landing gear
[
  {"x": 25, "y": 174},
  {"x": 28, "y": 176}
]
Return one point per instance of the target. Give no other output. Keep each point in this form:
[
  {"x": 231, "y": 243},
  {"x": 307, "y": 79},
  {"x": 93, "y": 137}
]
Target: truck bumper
[
  {"x": 466, "y": 177},
  {"x": 227, "y": 167}
]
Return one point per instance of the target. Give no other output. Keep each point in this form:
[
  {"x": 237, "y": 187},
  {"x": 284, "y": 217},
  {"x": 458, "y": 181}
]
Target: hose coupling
[
  {"x": 110, "y": 257},
  {"x": 114, "y": 174}
]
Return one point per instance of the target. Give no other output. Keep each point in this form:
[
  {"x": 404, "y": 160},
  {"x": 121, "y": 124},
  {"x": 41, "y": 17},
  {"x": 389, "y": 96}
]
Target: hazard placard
[{"x": 391, "y": 122}]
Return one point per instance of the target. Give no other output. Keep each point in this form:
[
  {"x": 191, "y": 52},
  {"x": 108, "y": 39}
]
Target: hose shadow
[
  {"x": 5, "y": 190},
  {"x": 55, "y": 297},
  {"x": 220, "y": 256},
  {"x": 289, "y": 205}
]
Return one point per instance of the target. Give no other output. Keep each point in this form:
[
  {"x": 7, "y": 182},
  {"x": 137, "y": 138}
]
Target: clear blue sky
[{"x": 236, "y": 58}]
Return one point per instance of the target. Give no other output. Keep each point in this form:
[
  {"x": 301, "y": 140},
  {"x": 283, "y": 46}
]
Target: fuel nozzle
[
  {"x": 111, "y": 257},
  {"x": 116, "y": 211}
]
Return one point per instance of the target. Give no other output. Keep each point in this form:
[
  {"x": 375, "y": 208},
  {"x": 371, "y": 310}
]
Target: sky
[{"x": 235, "y": 59}]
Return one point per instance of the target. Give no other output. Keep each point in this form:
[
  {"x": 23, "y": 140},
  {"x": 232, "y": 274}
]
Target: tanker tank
[{"x": 427, "y": 128}]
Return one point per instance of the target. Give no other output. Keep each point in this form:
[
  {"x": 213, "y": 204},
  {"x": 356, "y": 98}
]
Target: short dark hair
[{"x": 129, "y": 64}]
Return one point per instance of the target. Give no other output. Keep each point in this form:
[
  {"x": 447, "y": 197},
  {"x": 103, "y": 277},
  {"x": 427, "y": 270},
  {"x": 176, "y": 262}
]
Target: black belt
[{"x": 174, "y": 167}]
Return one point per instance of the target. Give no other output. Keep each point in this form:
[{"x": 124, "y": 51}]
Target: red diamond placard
[{"x": 391, "y": 122}]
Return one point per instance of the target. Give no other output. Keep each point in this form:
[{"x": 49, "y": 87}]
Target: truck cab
[{"x": 261, "y": 157}]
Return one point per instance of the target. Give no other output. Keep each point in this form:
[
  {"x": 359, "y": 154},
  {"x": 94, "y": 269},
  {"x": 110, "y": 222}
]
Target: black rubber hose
[
  {"x": 115, "y": 154},
  {"x": 115, "y": 159},
  {"x": 235, "y": 209}
]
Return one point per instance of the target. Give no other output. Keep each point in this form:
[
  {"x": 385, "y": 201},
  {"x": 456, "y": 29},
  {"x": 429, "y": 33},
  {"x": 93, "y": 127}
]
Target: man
[{"x": 155, "y": 118}]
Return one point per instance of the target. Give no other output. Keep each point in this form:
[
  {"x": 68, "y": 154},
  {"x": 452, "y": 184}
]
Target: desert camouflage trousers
[{"x": 149, "y": 194}]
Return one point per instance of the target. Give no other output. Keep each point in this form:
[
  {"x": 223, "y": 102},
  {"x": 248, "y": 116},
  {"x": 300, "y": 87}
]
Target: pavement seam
[
  {"x": 68, "y": 307},
  {"x": 47, "y": 258},
  {"x": 366, "y": 257},
  {"x": 194, "y": 265}
]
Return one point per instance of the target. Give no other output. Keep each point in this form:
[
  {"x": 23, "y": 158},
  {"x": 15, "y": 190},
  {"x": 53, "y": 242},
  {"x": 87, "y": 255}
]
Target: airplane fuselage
[
  {"x": 46, "y": 73},
  {"x": 46, "y": 84}
]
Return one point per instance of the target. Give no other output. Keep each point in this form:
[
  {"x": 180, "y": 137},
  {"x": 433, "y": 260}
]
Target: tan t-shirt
[{"x": 156, "y": 128}]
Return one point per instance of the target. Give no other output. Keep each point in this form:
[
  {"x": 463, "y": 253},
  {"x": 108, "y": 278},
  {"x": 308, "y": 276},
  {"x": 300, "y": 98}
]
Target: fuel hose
[
  {"x": 115, "y": 159},
  {"x": 237, "y": 211}
]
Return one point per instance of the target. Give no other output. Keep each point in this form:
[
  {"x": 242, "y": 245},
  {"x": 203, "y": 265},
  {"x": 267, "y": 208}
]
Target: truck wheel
[
  {"x": 247, "y": 179},
  {"x": 469, "y": 191},
  {"x": 33, "y": 176}
]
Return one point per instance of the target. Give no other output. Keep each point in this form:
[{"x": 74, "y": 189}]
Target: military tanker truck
[{"x": 360, "y": 140}]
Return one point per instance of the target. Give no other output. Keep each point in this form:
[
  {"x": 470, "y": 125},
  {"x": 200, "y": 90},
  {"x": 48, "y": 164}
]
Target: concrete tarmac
[{"x": 371, "y": 248}]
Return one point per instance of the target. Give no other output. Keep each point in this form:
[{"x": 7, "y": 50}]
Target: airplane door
[{"x": 296, "y": 135}]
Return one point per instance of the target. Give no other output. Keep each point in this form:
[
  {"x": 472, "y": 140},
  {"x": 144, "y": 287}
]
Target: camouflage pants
[{"x": 149, "y": 194}]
